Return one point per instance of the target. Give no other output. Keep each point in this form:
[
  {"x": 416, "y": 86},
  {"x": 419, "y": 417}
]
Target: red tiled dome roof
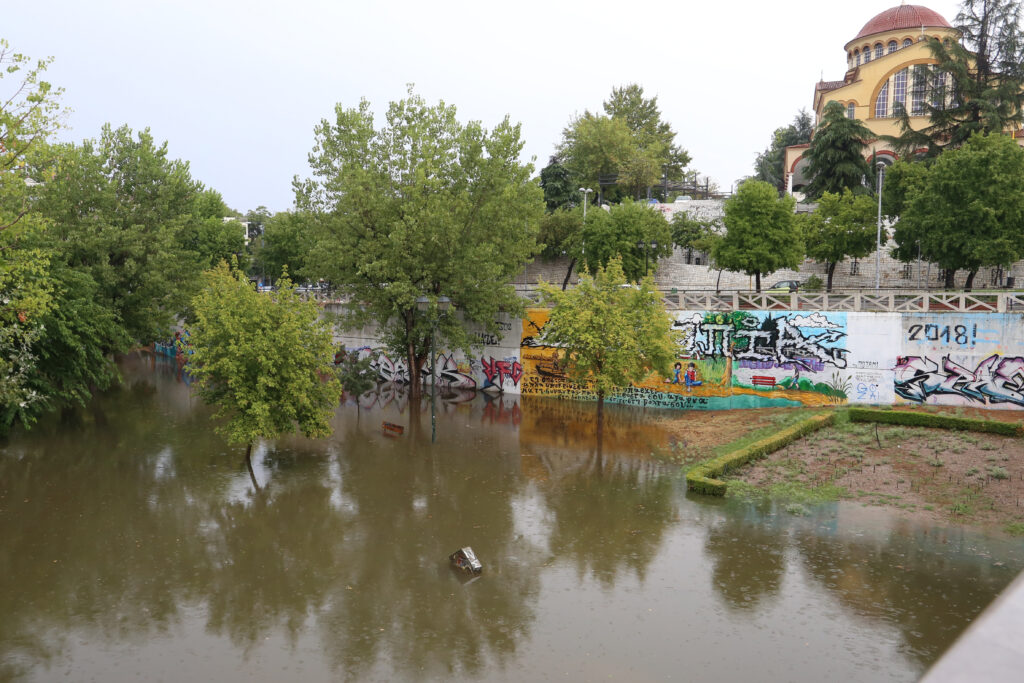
[{"x": 903, "y": 17}]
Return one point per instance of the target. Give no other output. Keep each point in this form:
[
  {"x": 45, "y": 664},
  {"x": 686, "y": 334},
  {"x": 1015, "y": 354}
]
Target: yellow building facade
[{"x": 882, "y": 80}]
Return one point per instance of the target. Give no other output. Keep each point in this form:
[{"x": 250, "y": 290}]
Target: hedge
[
  {"x": 916, "y": 419},
  {"x": 702, "y": 478}
]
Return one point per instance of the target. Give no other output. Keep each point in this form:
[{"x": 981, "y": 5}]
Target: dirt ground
[{"x": 959, "y": 477}]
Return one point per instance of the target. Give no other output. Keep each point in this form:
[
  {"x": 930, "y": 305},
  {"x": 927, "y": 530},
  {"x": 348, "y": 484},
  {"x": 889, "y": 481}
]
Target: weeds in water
[{"x": 797, "y": 509}]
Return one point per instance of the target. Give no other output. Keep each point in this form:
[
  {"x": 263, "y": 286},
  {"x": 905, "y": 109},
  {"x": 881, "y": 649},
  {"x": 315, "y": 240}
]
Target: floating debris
[
  {"x": 465, "y": 560},
  {"x": 392, "y": 429}
]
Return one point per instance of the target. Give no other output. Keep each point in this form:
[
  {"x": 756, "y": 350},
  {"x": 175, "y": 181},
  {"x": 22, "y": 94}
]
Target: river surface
[{"x": 134, "y": 546}]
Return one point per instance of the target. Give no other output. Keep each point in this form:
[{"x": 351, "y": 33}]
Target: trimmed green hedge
[
  {"x": 702, "y": 477},
  {"x": 915, "y": 419}
]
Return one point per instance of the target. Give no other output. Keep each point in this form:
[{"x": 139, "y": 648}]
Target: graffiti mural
[
  {"x": 993, "y": 380},
  {"x": 453, "y": 373},
  {"x": 497, "y": 371}
]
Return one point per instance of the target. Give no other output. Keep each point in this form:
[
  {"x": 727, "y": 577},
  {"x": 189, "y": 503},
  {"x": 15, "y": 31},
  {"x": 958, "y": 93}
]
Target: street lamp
[
  {"x": 585, "y": 191},
  {"x": 648, "y": 247},
  {"x": 423, "y": 305},
  {"x": 878, "y": 234}
]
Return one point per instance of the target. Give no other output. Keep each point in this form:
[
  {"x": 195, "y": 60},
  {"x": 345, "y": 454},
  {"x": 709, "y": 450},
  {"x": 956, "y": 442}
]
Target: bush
[
  {"x": 702, "y": 478},
  {"x": 813, "y": 284},
  {"x": 914, "y": 419}
]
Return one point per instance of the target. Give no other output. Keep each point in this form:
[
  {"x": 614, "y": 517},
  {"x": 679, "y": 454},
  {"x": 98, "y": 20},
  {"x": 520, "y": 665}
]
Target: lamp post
[
  {"x": 878, "y": 234},
  {"x": 423, "y": 305},
  {"x": 585, "y": 191},
  {"x": 648, "y": 247}
]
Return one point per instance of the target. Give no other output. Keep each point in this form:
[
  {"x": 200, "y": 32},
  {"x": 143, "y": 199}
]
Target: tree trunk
[
  {"x": 950, "y": 278},
  {"x": 415, "y": 381},
  {"x": 568, "y": 273},
  {"x": 600, "y": 414},
  {"x": 970, "y": 280},
  {"x": 757, "y": 282},
  {"x": 831, "y": 272},
  {"x": 248, "y": 464}
]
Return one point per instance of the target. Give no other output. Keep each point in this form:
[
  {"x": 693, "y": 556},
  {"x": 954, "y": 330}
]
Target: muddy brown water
[{"x": 133, "y": 546}]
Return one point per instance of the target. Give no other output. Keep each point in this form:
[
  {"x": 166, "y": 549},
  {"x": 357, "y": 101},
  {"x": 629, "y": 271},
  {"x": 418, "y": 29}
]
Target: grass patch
[
  {"x": 1015, "y": 528},
  {"x": 703, "y": 477},
  {"x": 998, "y": 473},
  {"x": 792, "y": 492}
]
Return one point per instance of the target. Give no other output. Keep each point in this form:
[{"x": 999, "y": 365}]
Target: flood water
[{"x": 133, "y": 546}]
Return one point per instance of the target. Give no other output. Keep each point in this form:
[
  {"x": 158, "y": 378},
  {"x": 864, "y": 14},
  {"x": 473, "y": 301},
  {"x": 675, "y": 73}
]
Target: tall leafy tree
[
  {"x": 29, "y": 114},
  {"x": 836, "y": 156},
  {"x": 266, "y": 361},
  {"x": 609, "y": 335},
  {"x": 422, "y": 206},
  {"x": 843, "y": 226},
  {"x": 770, "y": 165},
  {"x": 286, "y": 244},
  {"x": 560, "y": 234},
  {"x": 595, "y": 146},
  {"x": 761, "y": 235},
  {"x": 967, "y": 211},
  {"x": 626, "y": 232},
  {"x": 651, "y": 133},
  {"x": 976, "y": 85}
]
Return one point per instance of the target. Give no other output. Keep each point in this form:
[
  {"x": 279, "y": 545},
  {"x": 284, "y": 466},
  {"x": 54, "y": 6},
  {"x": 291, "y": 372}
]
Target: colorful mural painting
[{"x": 752, "y": 359}]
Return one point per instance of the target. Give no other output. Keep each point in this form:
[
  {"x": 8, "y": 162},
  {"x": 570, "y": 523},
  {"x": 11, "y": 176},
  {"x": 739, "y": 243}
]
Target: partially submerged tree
[
  {"x": 843, "y": 226},
  {"x": 609, "y": 334},
  {"x": 836, "y": 155},
  {"x": 265, "y": 360},
  {"x": 423, "y": 206},
  {"x": 760, "y": 232},
  {"x": 967, "y": 211}
]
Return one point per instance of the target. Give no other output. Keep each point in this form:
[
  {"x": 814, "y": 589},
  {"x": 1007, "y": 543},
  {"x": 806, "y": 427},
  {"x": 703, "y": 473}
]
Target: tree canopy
[
  {"x": 618, "y": 234},
  {"x": 424, "y": 206},
  {"x": 966, "y": 211},
  {"x": 761, "y": 235},
  {"x": 770, "y": 165},
  {"x": 977, "y": 84},
  {"x": 843, "y": 226},
  {"x": 609, "y": 334},
  {"x": 265, "y": 360},
  {"x": 836, "y": 155}
]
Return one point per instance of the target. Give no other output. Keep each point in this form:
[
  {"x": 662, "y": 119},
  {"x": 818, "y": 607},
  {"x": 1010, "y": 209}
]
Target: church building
[{"x": 885, "y": 76}]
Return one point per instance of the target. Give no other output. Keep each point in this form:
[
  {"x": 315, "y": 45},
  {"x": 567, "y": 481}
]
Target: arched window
[
  {"x": 899, "y": 93},
  {"x": 882, "y": 103},
  {"x": 907, "y": 42},
  {"x": 879, "y": 50},
  {"x": 850, "y": 110},
  {"x": 892, "y": 46},
  {"x": 856, "y": 57},
  {"x": 939, "y": 90},
  {"x": 867, "y": 54}
]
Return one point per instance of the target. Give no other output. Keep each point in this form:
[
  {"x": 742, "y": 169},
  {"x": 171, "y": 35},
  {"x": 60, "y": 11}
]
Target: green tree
[
  {"x": 977, "y": 84},
  {"x": 967, "y": 212},
  {"x": 609, "y": 334},
  {"x": 843, "y": 226},
  {"x": 560, "y": 188},
  {"x": 560, "y": 234},
  {"x": 286, "y": 245},
  {"x": 836, "y": 156},
  {"x": 690, "y": 233},
  {"x": 595, "y": 146},
  {"x": 901, "y": 181},
  {"x": 266, "y": 361},
  {"x": 207, "y": 237},
  {"x": 652, "y": 134},
  {"x": 761, "y": 235},
  {"x": 624, "y": 232},
  {"x": 770, "y": 165},
  {"x": 423, "y": 206},
  {"x": 29, "y": 115}
]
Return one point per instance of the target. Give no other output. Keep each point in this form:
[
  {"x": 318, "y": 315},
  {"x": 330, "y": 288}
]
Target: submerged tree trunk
[
  {"x": 415, "y": 377},
  {"x": 568, "y": 273},
  {"x": 248, "y": 464},
  {"x": 600, "y": 415},
  {"x": 970, "y": 280}
]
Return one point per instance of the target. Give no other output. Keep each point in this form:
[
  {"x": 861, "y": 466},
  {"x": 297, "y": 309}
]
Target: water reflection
[{"x": 131, "y": 527}]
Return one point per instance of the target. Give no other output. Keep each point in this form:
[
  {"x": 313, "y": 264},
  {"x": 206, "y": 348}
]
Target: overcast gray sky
[{"x": 235, "y": 88}]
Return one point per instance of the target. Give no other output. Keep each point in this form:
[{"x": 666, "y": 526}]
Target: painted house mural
[{"x": 753, "y": 359}]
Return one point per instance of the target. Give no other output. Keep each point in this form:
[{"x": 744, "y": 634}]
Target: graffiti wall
[{"x": 751, "y": 359}]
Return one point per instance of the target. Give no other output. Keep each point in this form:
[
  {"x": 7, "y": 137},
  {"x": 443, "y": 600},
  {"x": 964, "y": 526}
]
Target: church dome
[{"x": 902, "y": 17}]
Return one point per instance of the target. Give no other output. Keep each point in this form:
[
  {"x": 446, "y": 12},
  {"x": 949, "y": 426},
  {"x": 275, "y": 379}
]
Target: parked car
[
  {"x": 683, "y": 198},
  {"x": 784, "y": 287}
]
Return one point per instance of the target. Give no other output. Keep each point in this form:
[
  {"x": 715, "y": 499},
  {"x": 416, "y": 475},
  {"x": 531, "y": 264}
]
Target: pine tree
[{"x": 836, "y": 156}]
